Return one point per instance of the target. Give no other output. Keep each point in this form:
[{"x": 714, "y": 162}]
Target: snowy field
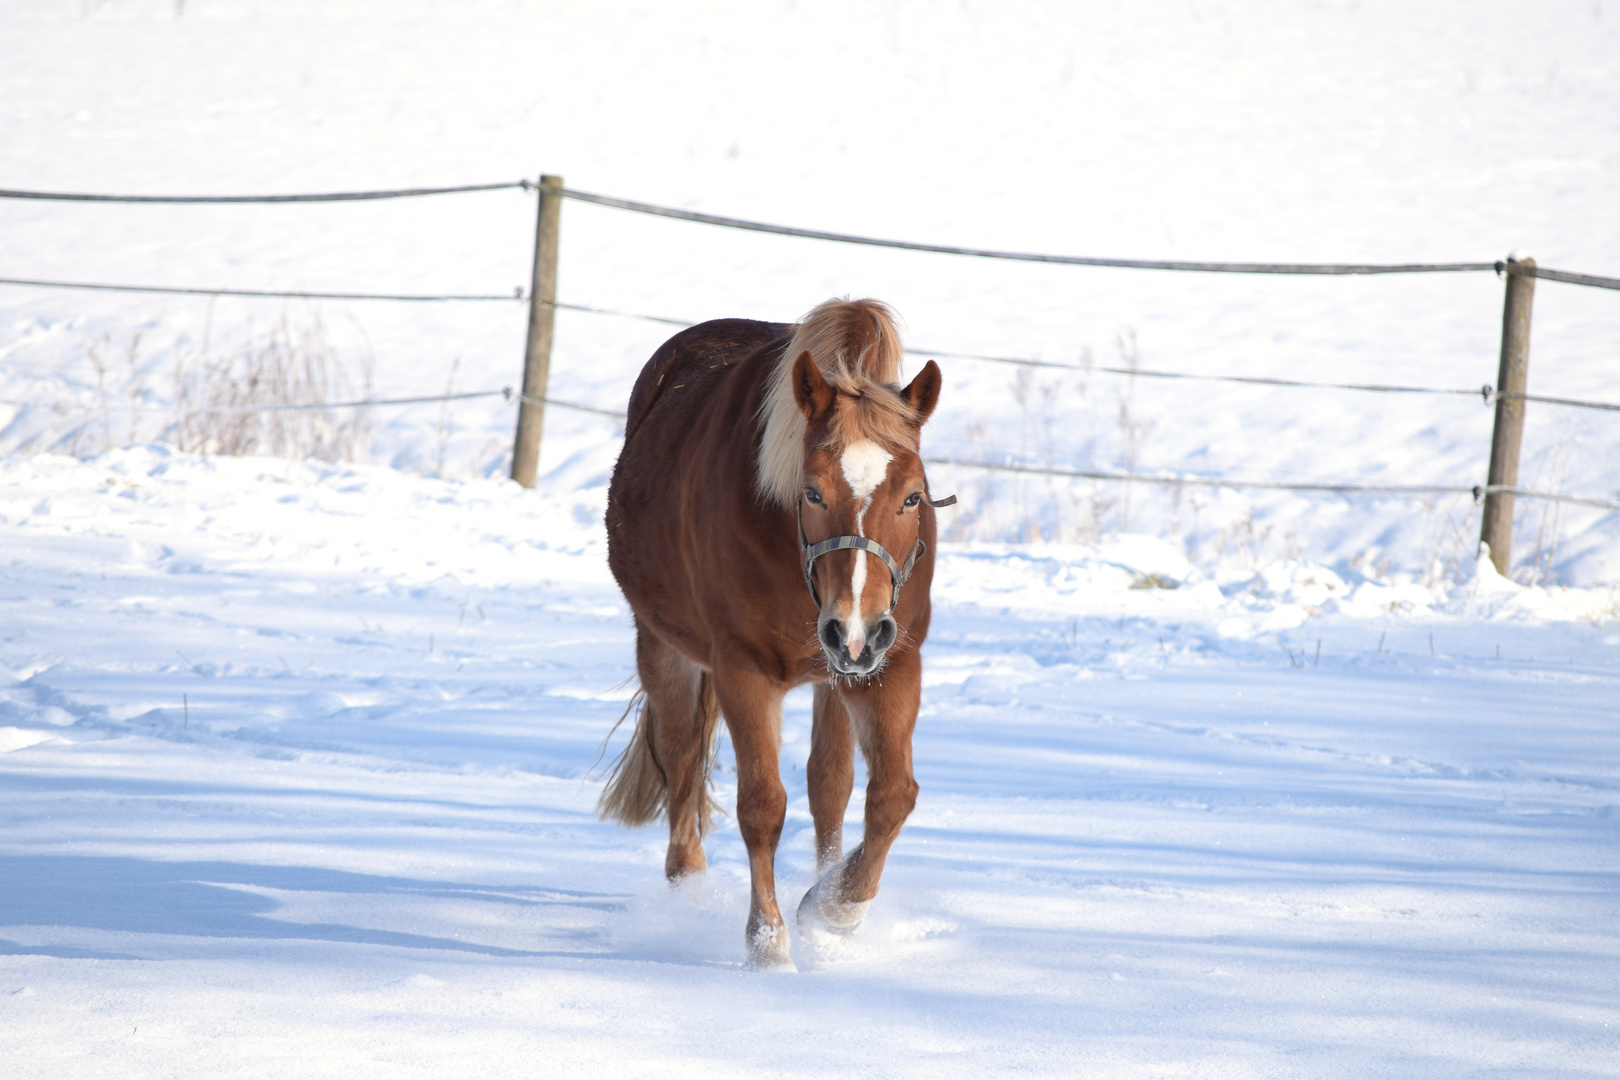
[{"x": 296, "y": 756}]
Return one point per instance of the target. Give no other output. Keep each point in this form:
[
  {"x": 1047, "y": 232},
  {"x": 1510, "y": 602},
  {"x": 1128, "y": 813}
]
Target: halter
[{"x": 897, "y": 573}]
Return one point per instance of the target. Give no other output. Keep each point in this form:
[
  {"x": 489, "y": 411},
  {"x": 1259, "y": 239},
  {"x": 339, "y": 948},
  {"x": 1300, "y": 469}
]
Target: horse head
[{"x": 860, "y": 505}]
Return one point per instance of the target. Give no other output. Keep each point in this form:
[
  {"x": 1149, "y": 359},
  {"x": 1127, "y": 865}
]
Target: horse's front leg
[
  {"x": 752, "y": 707},
  {"x": 830, "y": 774},
  {"x": 883, "y": 714}
]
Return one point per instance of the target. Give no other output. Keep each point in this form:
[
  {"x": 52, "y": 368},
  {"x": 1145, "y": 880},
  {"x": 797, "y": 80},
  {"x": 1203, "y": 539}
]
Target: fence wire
[
  {"x": 1023, "y": 256},
  {"x": 1560, "y": 275},
  {"x": 182, "y": 290},
  {"x": 1478, "y": 491},
  {"x": 1485, "y": 392},
  {"x": 1302, "y": 269},
  {"x": 335, "y": 196},
  {"x": 621, "y": 314},
  {"x": 365, "y": 403},
  {"x": 1609, "y": 406}
]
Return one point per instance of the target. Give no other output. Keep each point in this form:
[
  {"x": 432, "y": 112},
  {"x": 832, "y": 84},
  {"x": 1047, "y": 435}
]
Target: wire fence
[
  {"x": 1478, "y": 491},
  {"x": 1484, "y": 392},
  {"x": 1336, "y": 269},
  {"x": 278, "y": 294},
  {"x": 364, "y": 403},
  {"x": 331, "y": 196},
  {"x": 1293, "y": 269}
]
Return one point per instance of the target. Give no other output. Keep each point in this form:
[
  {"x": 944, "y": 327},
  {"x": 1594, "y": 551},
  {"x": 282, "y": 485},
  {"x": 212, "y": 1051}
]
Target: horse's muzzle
[{"x": 880, "y": 634}]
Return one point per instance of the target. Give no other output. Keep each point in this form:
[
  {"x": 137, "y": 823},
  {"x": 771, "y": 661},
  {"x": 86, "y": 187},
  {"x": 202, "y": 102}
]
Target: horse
[{"x": 770, "y": 525}]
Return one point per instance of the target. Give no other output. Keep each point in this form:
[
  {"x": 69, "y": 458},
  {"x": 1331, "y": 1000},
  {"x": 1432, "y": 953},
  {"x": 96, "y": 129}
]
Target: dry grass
[
  {"x": 272, "y": 394},
  {"x": 1450, "y": 540},
  {"x": 1551, "y": 473},
  {"x": 1133, "y": 430},
  {"x": 266, "y": 397}
]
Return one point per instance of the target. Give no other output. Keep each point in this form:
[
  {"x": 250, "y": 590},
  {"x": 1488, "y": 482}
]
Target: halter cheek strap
[{"x": 897, "y": 573}]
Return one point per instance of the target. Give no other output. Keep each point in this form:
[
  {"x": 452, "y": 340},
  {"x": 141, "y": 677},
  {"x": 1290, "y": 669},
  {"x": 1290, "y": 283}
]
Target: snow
[
  {"x": 299, "y": 758},
  {"x": 291, "y": 793}
]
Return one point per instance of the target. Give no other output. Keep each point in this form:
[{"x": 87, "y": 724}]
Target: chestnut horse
[{"x": 770, "y": 525}]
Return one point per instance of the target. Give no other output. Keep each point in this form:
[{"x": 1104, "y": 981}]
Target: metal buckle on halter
[{"x": 897, "y": 573}]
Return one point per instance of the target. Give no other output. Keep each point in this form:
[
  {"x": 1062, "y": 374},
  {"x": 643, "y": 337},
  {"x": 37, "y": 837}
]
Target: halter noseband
[{"x": 897, "y": 573}]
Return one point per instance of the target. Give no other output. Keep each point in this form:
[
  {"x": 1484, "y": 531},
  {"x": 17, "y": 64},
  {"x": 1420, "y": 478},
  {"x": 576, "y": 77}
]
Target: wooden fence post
[
  {"x": 1512, "y": 377},
  {"x": 542, "y": 316}
]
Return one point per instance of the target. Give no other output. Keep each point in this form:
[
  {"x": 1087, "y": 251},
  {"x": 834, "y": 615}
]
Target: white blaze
[{"x": 865, "y": 464}]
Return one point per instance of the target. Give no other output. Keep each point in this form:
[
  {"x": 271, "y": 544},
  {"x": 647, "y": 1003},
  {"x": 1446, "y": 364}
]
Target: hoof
[
  {"x": 681, "y": 864},
  {"x": 768, "y": 950},
  {"x": 819, "y": 911}
]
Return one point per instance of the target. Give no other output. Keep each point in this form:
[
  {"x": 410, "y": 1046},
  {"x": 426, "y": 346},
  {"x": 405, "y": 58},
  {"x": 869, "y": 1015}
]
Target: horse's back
[
  {"x": 686, "y": 464},
  {"x": 693, "y": 354}
]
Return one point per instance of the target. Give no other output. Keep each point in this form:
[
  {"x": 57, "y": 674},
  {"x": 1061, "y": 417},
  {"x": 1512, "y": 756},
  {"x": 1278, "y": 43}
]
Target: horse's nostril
[
  {"x": 884, "y": 635},
  {"x": 832, "y": 635}
]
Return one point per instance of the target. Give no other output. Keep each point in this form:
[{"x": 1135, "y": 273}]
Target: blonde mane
[{"x": 857, "y": 347}]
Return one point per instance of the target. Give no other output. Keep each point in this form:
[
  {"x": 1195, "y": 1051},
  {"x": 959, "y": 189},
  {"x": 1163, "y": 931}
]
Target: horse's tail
[
  {"x": 637, "y": 791},
  {"x": 708, "y": 709}
]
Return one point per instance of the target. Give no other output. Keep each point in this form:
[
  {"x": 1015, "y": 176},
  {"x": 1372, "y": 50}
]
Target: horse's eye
[
  {"x": 814, "y": 496},
  {"x": 914, "y": 498}
]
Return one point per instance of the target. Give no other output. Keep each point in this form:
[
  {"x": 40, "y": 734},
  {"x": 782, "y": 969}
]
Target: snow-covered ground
[
  {"x": 293, "y": 794},
  {"x": 296, "y": 757}
]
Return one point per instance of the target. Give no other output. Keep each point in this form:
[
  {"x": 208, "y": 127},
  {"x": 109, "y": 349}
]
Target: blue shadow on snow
[{"x": 197, "y": 899}]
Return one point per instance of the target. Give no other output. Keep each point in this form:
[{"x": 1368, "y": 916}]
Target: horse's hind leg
[
  {"x": 830, "y": 773},
  {"x": 683, "y": 714}
]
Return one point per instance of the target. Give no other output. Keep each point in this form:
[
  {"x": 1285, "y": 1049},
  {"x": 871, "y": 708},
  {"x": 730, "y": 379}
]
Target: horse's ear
[
  {"x": 923, "y": 393},
  {"x": 811, "y": 390}
]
